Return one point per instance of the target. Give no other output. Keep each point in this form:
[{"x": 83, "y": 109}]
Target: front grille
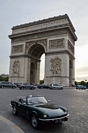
[{"x": 59, "y": 116}]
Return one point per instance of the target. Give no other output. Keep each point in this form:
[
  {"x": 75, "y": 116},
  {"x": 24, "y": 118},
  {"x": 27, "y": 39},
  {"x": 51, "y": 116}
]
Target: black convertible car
[{"x": 39, "y": 110}]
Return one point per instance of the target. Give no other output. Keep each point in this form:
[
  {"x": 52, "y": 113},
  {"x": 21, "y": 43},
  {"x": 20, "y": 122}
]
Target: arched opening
[{"x": 36, "y": 55}]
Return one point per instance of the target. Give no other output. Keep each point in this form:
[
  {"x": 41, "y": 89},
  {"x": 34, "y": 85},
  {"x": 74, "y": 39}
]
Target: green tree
[
  {"x": 1, "y": 78},
  {"x": 41, "y": 81},
  {"x": 76, "y": 83},
  {"x": 83, "y": 83},
  {"x": 5, "y": 78}
]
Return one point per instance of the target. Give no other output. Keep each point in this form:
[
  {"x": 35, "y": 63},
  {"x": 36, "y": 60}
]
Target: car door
[
  {"x": 10, "y": 84},
  {"x": 22, "y": 108},
  {"x": 25, "y": 110},
  {"x": 6, "y": 84},
  {"x": 28, "y": 86}
]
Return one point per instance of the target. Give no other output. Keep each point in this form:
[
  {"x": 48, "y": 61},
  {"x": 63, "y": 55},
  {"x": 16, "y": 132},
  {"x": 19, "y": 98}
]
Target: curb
[{"x": 14, "y": 128}]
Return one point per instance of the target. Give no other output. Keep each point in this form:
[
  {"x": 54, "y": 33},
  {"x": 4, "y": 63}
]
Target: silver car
[{"x": 56, "y": 86}]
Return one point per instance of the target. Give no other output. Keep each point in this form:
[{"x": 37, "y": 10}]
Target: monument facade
[{"x": 55, "y": 37}]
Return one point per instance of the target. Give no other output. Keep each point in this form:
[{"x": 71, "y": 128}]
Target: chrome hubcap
[
  {"x": 14, "y": 110},
  {"x": 34, "y": 122}
]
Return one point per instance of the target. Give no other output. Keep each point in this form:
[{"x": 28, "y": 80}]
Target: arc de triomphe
[{"x": 55, "y": 37}]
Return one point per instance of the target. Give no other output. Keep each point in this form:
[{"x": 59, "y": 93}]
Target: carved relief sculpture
[
  {"x": 57, "y": 43},
  {"x": 70, "y": 47},
  {"x": 56, "y": 65},
  {"x": 17, "y": 49},
  {"x": 16, "y": 67}
]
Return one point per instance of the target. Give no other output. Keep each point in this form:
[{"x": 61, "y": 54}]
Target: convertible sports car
[{"x": 39, "y": 110}]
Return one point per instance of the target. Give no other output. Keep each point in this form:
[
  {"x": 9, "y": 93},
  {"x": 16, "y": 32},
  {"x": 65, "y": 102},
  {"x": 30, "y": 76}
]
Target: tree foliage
[
  {"x": 4, "y": 78},
  {"x": 80, "y": 83},
  {"x": 83, "y": 83},
  {"x": 1, "y": 78},
  {"x": 41, "y": 81}
]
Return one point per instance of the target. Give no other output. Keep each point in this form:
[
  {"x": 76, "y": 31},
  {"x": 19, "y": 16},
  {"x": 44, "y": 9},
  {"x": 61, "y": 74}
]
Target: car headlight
[{"x": 45, "y": 115}]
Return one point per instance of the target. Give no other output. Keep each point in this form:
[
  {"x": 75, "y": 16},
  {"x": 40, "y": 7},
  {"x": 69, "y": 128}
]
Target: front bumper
[{"x": 64, "y": 118}]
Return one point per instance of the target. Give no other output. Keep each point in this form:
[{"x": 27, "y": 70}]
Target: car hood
[{"x": 52, "y": 110}]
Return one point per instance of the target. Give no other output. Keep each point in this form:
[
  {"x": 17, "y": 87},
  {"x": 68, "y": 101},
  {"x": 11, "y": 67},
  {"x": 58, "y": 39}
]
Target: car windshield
[
  {"x": 36, "y": 100},
  {"x": 56, "y": 84}
]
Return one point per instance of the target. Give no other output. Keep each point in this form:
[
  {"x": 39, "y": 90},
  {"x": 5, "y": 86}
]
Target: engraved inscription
[
  {"x": 17, "y": 49},
  {"x": 56, "y": 65},
  {"x": 57, "y": 43}
]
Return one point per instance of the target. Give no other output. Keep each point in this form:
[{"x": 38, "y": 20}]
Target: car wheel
[
  {"x": 34, "y": 121},
  {"x": 2, "y": 86},
  {"x": 14, "y": 110},
  {"x": 13, "y": 87},
  {"x": 33, "y": 88}
]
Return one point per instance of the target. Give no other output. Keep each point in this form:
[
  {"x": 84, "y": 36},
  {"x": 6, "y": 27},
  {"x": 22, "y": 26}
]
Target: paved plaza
[{"x": 75, "y": 100}]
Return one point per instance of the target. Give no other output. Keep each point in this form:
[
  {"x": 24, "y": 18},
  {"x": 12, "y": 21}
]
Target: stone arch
[
  {"x": 30, "y": 44},
  {"x": 53, "y": 36},
  {"x": 35, "y": 52}
]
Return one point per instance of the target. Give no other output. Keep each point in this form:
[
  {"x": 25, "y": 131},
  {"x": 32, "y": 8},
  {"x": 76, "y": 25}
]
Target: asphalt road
[{"x": 75, "y": 100}]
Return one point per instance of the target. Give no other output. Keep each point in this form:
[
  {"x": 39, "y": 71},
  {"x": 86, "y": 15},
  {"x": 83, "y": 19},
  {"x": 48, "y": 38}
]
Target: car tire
[
  {"x": 34, "y": 121},
  {"x": 14, "y": 110},
  {"x": 12, "y": 87},
  {"x": 2, "y": 87},
  {"x": 33, "y": 88}
]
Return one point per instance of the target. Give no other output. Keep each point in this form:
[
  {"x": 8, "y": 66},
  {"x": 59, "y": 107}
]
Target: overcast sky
[{"x": 16, "y": 12}]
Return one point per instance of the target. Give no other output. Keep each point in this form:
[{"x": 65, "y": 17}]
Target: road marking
[
  {"x": 17, "y": 128},
  {"x": 14, "y": 128}
]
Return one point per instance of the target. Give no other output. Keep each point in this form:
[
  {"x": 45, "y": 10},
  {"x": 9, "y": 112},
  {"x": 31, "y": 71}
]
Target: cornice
[
  {"x": 60, "y": 52},
  {"x": 43, "y": 21},
  {"x": 65, "y": 26},
  {"x": 23, "y": 56}
]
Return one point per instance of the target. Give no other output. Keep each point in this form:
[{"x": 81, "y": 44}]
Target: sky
[{"x": 16, "y": 12}]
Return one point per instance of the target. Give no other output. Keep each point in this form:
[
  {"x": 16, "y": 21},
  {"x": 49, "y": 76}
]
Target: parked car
[
  {"x": 80, "y": 87},
  {"x": 7, "y": 84},
  {"x": 56, "y": 86},
  {"x": 17, "y": 84},
  {"x": 27, "y": 86},
  {"x": 43, "y": 86},
  {"x": 38, "y": 110}
]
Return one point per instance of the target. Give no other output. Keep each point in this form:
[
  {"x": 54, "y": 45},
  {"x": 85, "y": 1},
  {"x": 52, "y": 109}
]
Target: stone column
[
  {"x": 28, "y": 71},
  {"x": 73, "y": 72},
  {"x": 38, "y": 73}
]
